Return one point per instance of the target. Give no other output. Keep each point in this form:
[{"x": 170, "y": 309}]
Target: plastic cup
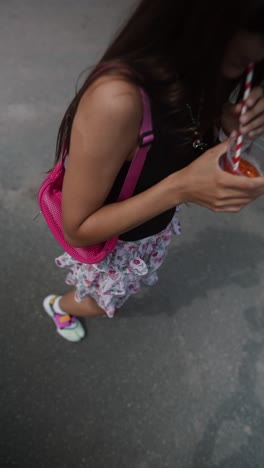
[{"x": 251, "y": 160}]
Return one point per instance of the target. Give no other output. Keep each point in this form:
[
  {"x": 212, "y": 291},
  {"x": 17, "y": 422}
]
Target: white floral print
[{"x": 121, "y": 274}]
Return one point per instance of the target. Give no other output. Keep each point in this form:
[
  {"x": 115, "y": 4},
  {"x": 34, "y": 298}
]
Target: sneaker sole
[{"x": 74, "y": 335}]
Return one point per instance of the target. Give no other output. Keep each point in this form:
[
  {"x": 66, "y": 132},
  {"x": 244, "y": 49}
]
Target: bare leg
[{"x": 87, "y": 308}]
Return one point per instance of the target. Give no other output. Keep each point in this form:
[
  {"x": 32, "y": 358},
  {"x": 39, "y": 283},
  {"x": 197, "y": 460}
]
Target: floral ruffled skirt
[{"x": 122, "y": 273}]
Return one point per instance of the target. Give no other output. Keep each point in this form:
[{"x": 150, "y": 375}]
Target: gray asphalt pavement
[{"x": 177, "y": 380}]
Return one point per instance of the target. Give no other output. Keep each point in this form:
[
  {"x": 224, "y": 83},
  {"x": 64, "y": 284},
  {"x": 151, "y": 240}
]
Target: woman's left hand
[{"x": 251, "y": 124}]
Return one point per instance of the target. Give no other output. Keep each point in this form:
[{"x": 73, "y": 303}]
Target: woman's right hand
[{"x": 206, "y": 184}]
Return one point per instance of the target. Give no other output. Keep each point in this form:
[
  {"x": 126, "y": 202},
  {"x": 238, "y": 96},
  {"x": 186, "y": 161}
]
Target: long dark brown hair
[{"x": 174, "y": 50}]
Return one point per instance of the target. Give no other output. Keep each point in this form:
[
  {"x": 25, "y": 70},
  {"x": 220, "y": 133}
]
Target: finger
[
  {"x": 255, "y": 95},
  {"x": 258, "y": 122},
  {"x": 233, "y": 207},
  {"x": 243, "y": 185},
  {"x": 221, "y": 148},
  {"x": 238, "y": 108},
  {"x": 227, "y": 209},
  {"x": 252, "y": 190},
  {"x": 256, "y": 133},
  {"x": 239, "y": 186},
  {"x": 254, "y": 112},
  {"x": 235, "y": 198}
]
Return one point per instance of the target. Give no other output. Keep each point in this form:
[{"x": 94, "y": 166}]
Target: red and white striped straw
[{"x": 248, "y": 87}]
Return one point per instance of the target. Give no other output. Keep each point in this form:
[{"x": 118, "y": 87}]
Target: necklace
[{"x": 199, "y": 144}]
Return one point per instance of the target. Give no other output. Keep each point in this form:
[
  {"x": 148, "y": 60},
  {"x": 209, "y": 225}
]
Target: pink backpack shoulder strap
[{"x": 146, "y": 136}]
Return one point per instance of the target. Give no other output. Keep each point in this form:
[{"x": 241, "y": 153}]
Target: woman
[{"x": 188, "y": 57}]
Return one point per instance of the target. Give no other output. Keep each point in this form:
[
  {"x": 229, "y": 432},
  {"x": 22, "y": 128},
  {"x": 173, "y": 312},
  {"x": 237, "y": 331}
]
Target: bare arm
[
  {"x": 117, "y": 218},
  {"x": 105, "y": 131}
]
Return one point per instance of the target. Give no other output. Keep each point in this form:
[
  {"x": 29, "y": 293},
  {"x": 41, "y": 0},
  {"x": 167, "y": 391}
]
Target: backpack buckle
[{"x": 146, "y": 139}]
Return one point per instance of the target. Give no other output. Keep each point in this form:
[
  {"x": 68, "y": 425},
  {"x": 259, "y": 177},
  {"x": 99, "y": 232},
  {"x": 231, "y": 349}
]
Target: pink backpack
[{"x": 50, "y": 193}]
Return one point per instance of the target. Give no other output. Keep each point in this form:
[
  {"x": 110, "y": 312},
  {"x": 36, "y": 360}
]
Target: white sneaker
[{"x": 68, "y": 327}]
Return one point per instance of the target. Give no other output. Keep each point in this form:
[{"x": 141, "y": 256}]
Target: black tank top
[{"x": 162, "y": 160}]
